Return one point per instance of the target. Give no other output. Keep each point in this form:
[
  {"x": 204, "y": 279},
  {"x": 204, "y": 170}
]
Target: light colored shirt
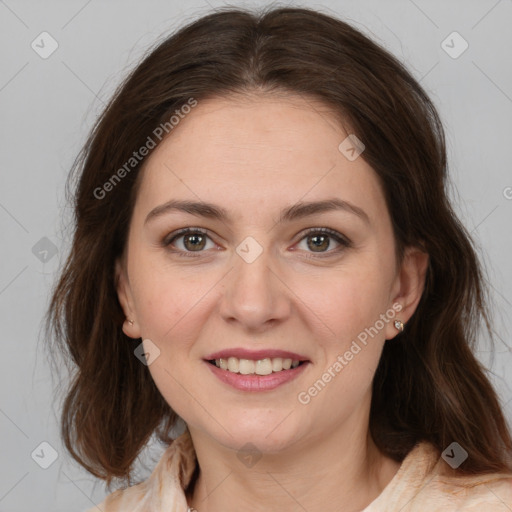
[{"x": 418, "y": 486}]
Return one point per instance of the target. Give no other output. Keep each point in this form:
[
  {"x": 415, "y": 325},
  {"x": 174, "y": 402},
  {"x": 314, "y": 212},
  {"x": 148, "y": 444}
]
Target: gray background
[{"x": 48, "y": 106}]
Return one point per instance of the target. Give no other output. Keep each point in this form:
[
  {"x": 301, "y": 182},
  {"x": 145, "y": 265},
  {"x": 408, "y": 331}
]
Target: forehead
[{"x": 257, "y": 152}]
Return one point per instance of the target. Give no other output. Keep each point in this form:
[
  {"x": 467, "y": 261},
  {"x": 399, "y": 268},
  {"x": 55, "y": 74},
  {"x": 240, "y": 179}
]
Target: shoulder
[
  {"x": 491, "y": 492},
  {"x": 164, "y": 489},
  {"x": 426, "y": 482},
  {"x": 121, "y": 500}
]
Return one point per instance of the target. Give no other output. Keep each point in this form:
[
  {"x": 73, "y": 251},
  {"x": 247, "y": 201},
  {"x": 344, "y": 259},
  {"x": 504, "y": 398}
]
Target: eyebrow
[{"x": 291, "y": 213}]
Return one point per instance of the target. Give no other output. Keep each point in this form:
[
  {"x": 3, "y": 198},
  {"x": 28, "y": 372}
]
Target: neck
[{"x": 312, "y": 474}]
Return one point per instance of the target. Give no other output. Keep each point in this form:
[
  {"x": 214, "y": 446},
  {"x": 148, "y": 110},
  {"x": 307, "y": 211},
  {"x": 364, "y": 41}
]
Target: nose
[{"x": 254, "y": 295}]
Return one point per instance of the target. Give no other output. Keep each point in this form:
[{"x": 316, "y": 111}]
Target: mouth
[
  {"x": 256, "y": 371},
  {"x": 261, "y": 367}
]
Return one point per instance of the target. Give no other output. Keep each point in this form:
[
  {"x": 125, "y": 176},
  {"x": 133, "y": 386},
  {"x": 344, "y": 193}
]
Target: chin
[{"x": 270, "y": 436}]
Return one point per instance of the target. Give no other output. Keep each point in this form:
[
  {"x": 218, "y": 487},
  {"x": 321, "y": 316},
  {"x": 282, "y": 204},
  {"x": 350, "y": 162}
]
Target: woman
[{"x": 264, "y": 248}]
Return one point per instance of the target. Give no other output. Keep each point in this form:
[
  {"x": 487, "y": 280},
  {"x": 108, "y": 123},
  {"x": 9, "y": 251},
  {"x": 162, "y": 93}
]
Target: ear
[
  {"x": 408, "y": 287},
  {"x": 126, "y": 300}
]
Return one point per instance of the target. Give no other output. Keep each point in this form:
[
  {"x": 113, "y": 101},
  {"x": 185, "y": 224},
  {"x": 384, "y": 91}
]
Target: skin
[{"x": 254, "y": 156}]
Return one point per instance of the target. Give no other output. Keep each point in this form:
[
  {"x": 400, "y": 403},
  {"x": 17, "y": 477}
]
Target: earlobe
[
  {"x": 411, "y": 284},
  {"x": 130, "y": 327}
]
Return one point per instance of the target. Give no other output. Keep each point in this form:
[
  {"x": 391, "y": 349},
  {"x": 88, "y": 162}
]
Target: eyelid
[
  {"x": 338, "y": 237},
  {"x": 343, "y": 242},
  {"x": 184, "y": 231}
]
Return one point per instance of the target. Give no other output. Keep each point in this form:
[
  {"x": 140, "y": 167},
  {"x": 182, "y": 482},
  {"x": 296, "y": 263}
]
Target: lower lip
[{"x": 256, "y": 382}]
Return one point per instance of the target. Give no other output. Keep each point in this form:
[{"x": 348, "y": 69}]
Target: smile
[
  {"x": 252, "y": 381},
  {"x": 259, "y": 367}
]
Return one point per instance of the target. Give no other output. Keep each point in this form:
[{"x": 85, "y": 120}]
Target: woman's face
[{"x": 261, "y": 284}]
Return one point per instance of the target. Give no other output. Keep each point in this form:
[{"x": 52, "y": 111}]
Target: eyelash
[{"x": 344, "y": 242}]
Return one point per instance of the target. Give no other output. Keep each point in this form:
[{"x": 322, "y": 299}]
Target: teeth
[
  {"x": 233, "y": 364},
  {"x": 260, "y": 367},
  {"x": 246, "y": 366},
  {"x": 263, "y": 367},
  {"x": 277, "y": 364}
]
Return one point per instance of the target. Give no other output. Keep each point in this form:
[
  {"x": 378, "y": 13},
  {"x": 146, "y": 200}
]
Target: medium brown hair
[{"x": 428, "y": 385}]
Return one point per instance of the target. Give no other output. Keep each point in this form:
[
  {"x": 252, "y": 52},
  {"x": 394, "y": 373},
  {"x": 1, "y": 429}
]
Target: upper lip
[{"x": 243, "y": 353}]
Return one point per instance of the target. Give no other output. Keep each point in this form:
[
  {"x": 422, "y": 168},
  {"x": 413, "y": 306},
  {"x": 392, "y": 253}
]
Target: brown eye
[
  {"x": 319, "y": 240},
  {"x": 194, "y": 242},
  {"x": 188, "y": 240}
]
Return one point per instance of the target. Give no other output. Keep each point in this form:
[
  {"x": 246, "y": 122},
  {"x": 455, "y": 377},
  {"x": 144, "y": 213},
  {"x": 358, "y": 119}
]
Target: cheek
[
  {"x": 344, "y": 302},
  {"x": 345, "y": 315},
  {"x": 347, "y": 361},
  {"x": 167, "y": 298},
  {"x": 171, "y": 309}
]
